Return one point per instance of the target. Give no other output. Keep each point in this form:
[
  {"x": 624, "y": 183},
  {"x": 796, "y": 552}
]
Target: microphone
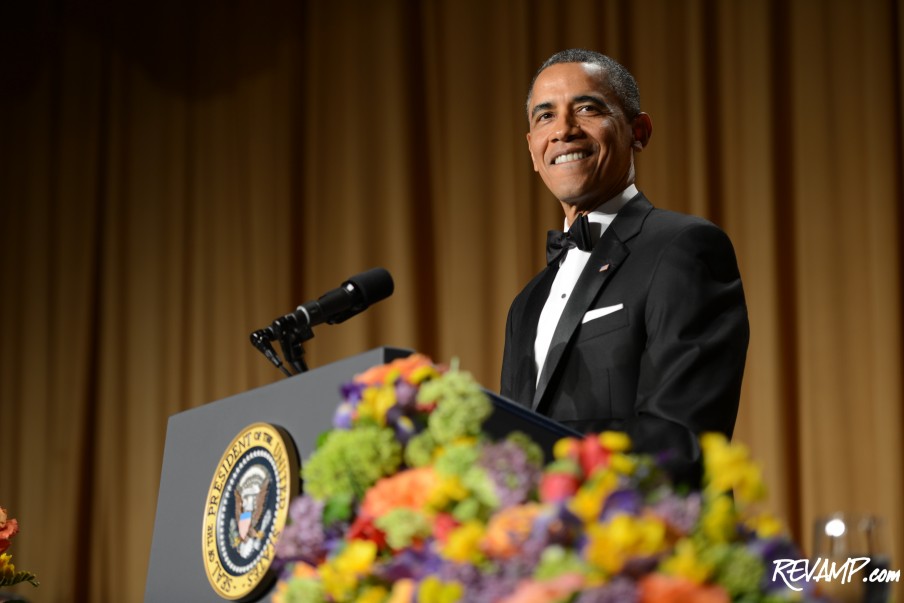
[{"x": 352, "y": 297}]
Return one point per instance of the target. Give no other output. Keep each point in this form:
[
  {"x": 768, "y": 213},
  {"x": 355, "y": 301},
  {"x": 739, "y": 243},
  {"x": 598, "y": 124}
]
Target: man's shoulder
[
  {"x": 674, "y": 220},
  {"x": 659, "y": 223}
]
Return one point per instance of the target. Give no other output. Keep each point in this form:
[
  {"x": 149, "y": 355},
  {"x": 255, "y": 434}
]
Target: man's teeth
[{"x": 571, "y": 157}]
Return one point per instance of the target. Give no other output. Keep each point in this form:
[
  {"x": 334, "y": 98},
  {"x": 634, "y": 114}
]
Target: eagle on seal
[{"x": 251, "y": 497}]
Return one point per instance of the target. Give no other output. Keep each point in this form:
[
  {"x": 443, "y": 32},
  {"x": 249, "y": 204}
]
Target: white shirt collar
[{"x": 606, "y": 211}]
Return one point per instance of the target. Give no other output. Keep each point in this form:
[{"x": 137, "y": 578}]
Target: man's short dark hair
[{"x": 620, "y": 79}]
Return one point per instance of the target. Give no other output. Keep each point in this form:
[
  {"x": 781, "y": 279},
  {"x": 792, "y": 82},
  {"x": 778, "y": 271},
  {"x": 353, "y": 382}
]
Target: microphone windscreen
[{"x": 373, "y": 285}]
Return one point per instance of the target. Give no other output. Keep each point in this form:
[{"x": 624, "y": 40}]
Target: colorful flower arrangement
[
  {"x": 407, "y": 500},
  {"x": 8, "y": 575}
]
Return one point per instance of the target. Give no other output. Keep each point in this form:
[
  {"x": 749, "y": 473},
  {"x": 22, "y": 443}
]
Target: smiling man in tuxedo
[{"x": 638, "y": 323}]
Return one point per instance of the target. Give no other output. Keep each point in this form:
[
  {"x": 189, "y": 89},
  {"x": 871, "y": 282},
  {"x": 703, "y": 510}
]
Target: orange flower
[
  {"x": 402, "y": 591},
  {"x": 403, "y": 367},
  {"x": 558, "y": 588},
  {"x": 508, "y": 529},
  {"x": 409, "y": 489},
  {"x": 659, "y": 588}
]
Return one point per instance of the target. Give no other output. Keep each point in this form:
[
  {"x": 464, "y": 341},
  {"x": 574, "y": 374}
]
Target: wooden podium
[{"x": 303, "y": 407}]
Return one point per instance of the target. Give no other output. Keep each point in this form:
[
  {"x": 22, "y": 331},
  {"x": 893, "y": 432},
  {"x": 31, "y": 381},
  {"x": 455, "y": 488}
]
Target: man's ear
[
  {"x": 642, "y": 127},
  {"x": 531, "y": 151}
]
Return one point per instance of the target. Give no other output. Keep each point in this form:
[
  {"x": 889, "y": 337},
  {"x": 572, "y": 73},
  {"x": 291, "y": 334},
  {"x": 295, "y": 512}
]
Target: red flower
[
  {"x": 592, "y": 454},
  {"x": 443, "y": 525},
  {"x": 558, "y": 486},
  {"x": 364, "y": 529}
]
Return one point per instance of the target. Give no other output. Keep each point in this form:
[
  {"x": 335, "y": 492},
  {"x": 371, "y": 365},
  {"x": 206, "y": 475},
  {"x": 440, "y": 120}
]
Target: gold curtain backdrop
[{"x": 177, "y": 174}]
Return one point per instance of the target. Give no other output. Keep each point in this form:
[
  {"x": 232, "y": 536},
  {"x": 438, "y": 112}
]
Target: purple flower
[
  {"x": 555, "y": 525},
  {"x": 406, "y": 395},
  {"x": 622, "y": 501},
  {"x": 464, "y": 573},
  {"x": 680, "y": 513},
  {"x": 492, "y": 589},
  {"x": 342, "y": 418},
  {"x": 404, "y": 429},
  {"x": 409, "y": 563},
  {"x": 771, "y": 549},
  {"x": 513, "y": 475},
  {"x": 351, "y": 392},
  {"x": 304, "y": 538}
]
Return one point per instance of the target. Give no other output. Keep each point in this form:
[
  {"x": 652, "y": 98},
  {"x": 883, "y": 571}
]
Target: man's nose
[{"x": 566, "y": 128}]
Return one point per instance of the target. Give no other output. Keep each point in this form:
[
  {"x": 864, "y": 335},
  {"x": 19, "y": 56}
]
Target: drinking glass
[{"x": 856, "y": 540}]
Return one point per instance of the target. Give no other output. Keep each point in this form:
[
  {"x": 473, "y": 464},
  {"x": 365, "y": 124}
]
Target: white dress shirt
[{"x": 570, "y": 268}]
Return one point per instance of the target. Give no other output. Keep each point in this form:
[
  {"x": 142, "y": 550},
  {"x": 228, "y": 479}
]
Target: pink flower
[{"x": 8, "y": 529}]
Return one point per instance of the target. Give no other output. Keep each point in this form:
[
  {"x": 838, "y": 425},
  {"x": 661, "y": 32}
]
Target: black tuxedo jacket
[{"x": 664, "y": 360}]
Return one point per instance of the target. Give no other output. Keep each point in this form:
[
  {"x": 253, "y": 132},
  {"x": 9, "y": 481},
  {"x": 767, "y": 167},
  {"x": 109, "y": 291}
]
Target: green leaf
[{"x": 20, "y": 577}]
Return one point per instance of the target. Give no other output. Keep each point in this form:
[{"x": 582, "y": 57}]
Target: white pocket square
[{"x": 599, "y": 312}]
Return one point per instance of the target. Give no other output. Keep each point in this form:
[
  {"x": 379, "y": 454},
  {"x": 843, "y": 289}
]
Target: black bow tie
[{"x": 558, "y": 242}]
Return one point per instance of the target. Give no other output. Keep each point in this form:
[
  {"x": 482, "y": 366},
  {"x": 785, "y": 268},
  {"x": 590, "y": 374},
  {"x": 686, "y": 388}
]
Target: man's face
[{"x": 581, "y": 142}]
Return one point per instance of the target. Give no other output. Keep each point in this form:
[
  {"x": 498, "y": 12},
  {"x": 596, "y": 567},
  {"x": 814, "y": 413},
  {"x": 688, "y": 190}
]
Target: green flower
[
  {"x": 556, "y": 561},
  {"x": 404, "y": 526},
  {"x": 303, "y": 590},
  {"x": 457, "y": 459},
  {"x": 740, "y": 572},
  {"x": 461, "y": 409},
  {"x": 420, "y": 449},
  {"x": 349, "y": 462}
]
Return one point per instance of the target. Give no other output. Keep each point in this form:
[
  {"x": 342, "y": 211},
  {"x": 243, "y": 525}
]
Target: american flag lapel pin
[{"x": 604, "y": 267}]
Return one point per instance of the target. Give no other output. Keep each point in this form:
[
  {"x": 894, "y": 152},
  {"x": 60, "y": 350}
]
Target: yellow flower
[
  {"x": 765, "y": 525},
  {"x": 610, "y": 545},
  {"x": 729, "y": 467},
  {"x": 338, "y": 585},
  {"x": 340, "y": 575},
  {"x": 463, "y": 544},
  {"x": 372, "y": 594},
  {"x": 685, "y": 563},
  {"x": 749, "y": 485},
  {"x": 422, "y": 374},
  {"x": 566, "y": 448},
  {"x": 616, "y": 441},
  {"x": 622, "y": 463},
  {"x": 357, "y": 557},
  {"x": 588, "y": 501},
  {"x": 375, "y": 402},
  {"x": 448, "y": 489},
  {"x": 433, "y": 590},
  {"x": 7, "y": 569},
  {"x": 718, "y": 521}
]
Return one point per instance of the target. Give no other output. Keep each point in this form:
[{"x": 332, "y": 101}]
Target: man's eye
[
  {"x": 588, "y": 109},
  {"x": 544, "y": 116}
]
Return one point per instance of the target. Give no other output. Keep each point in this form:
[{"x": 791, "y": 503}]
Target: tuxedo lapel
[
  {"x": 536, "y": 299},
  {"x": 606, "y": 257}
]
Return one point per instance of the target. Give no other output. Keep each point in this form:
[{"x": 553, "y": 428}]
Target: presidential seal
[{"x": 246, "y": 510}]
